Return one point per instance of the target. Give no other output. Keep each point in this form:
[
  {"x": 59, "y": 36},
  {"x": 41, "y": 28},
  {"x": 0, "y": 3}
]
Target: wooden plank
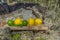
[{"x": 29, "y": 28}]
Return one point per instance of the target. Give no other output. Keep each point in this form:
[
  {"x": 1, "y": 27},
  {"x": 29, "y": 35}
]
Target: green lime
[
  {"x": 24, "y": 22},
  {"x": 10, "y": 22}
]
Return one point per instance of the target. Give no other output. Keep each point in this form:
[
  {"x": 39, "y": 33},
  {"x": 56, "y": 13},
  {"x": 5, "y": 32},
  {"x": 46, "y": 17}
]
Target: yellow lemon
[
  {"x": 38, "y": 21},
  {"x": 30, "y": 21},
  {"x": 17, "y": 21}
]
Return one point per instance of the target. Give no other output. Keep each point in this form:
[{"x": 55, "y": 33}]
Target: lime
[
  {"x": 24, "y": 22},
  {"x": 10, "y": 22}
]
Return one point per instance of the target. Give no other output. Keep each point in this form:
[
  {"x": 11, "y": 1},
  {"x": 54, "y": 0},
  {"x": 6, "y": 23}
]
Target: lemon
[
  {"x": 17, "y": 21},
  {"x": 31, "y": 21},
  {"x": 38, "y": 21}
]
